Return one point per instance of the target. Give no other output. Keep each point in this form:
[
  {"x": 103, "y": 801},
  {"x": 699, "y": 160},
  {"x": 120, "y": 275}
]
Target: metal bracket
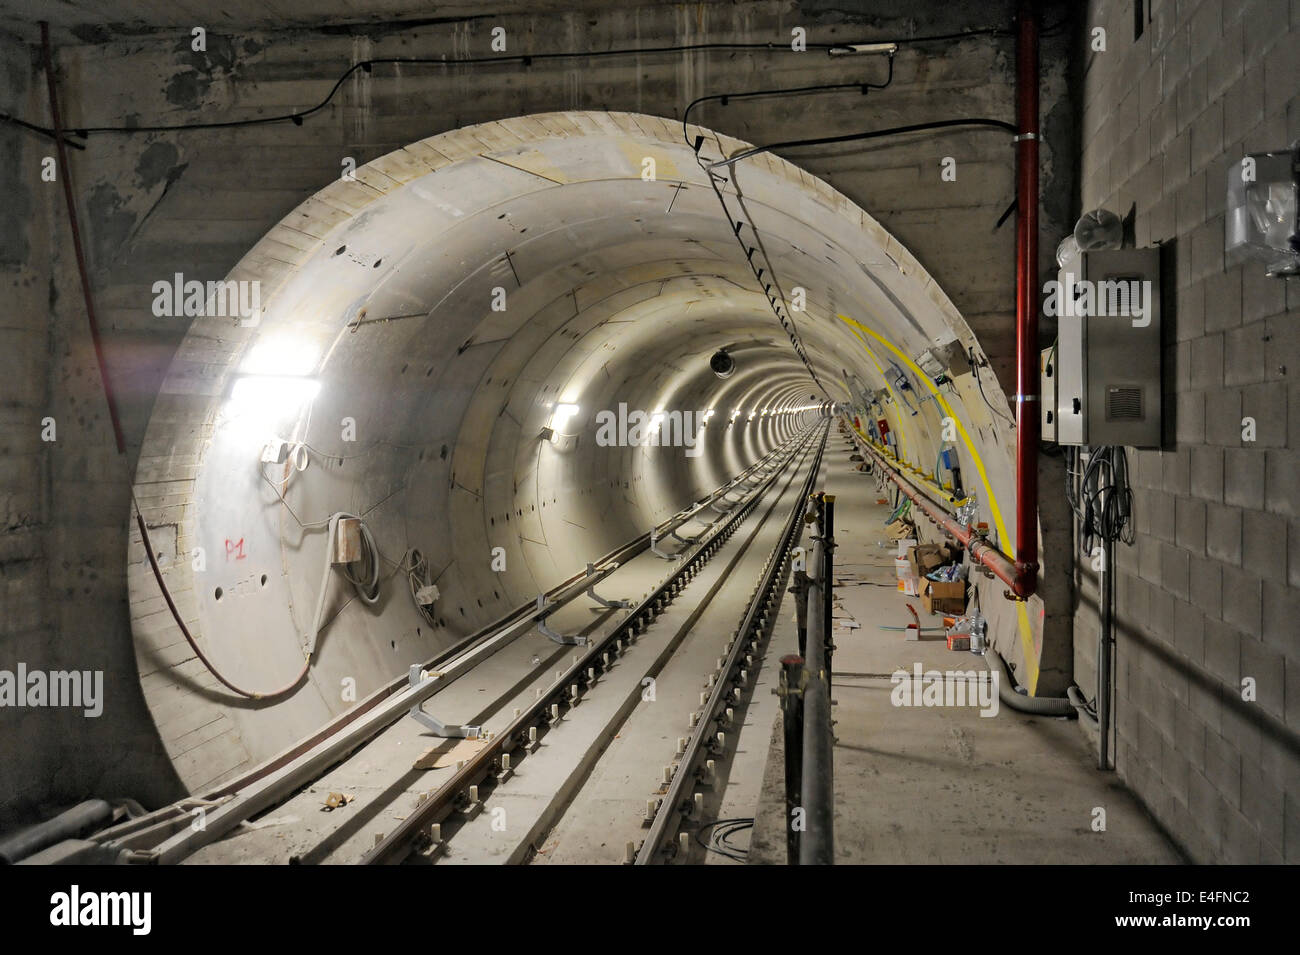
[
  {"x": 552, "y": 635},
  {"x": 611, "y": 604},
  {"x": 429, "y": 722},
  {"x": 654, "y": 548}
]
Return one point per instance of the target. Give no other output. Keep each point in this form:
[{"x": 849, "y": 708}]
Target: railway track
[{"x": 567, "y": 704}]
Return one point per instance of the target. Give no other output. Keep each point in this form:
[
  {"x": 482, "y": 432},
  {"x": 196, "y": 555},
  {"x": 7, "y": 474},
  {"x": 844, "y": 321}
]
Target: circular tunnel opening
[{"x": 454, "y": 346}]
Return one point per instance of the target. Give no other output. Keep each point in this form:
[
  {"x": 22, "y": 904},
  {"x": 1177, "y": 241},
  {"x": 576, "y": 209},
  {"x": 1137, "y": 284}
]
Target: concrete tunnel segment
[{"x": 376, "y": 311}]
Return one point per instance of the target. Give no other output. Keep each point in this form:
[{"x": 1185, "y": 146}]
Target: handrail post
[
  {"x": 817, "y": 786},
  {"x": 791, "y": 693},
  {"x": 799, "y": 588}
]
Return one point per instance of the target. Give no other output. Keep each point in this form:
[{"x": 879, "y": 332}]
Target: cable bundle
[
  {"x": 720, "y": 838},
  {"x": 1103, "y": 501}
]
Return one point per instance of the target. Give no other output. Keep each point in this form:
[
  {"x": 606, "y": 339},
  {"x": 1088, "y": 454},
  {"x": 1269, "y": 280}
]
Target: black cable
[
  {"x": 297, "y": 116},
  {"x": 724, "y": 98},
  {"x": 736, "y": 225},
  {"x": 39, "y": 130},
  {"x": 1103, "y": 505},
  {"x": 871, "y": 134},
  {"x": 721, "y": 833},
  {"x": 975, "y": 370}
]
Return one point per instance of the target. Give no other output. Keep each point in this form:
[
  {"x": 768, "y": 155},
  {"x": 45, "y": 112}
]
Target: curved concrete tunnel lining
[{"x": 600, "y": 312}]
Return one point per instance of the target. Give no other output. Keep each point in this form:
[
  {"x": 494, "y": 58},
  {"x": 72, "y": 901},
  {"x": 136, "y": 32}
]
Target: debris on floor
[{"x": 444, "y": 755}]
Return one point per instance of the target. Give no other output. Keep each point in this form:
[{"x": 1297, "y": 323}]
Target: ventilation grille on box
[{"x": 1124, "y": 404}]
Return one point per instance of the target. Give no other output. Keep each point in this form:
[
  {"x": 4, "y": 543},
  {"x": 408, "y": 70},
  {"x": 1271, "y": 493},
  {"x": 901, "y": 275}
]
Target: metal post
[
  {"x": 800, "y": 590},
  {"x": 791, "y": 693},
  {"x": 817, "y": 788},
  {"x": 1105, "y": 580},
  {"x": 828, "y": 580}
]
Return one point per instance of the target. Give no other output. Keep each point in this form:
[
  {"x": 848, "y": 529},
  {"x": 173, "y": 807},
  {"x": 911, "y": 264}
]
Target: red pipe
[
  {"x": 1027, "y": 396},
  {"x": 1002, "y": 566},
  {"x": 65, "y": 174},
  {"x": 1021, "y": 574}
]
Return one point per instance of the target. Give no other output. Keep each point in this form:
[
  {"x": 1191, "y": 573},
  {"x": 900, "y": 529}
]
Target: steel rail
[
  {"x": 414, "y": 831},
  {"x": 169, "y": 828},
  {"x": 754, "y": 628}
]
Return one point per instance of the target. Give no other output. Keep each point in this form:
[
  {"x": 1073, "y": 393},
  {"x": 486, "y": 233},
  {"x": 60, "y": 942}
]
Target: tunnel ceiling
[{"x": 420, "y": 327}]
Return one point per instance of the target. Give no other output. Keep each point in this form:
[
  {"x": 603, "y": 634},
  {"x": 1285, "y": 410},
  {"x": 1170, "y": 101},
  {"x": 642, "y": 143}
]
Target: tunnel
[
  {"x": 766, "y": 433},
  {"x": 423, "y": 325}
]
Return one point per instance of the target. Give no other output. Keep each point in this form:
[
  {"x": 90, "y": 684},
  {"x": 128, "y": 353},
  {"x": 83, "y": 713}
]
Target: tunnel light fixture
[
  {"x": 864, "y": 49},
  {"x": 280, "y": 355},
  {"x": 560, "y": 417},
  {"x": 273, "y": 396}
]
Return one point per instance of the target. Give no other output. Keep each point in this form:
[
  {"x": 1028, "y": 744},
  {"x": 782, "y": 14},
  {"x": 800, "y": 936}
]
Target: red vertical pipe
[
  {"x": 64, "y": 173},
  {"x": 1027, "y": 397}
]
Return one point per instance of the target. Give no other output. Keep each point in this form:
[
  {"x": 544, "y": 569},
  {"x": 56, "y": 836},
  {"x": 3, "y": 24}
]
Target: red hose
[{"x": 189, "y": 638}]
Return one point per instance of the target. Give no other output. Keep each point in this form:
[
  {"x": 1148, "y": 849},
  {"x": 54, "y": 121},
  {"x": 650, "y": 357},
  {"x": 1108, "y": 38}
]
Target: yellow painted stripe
[
  {"x": 1004, "y": 539},
  {"x": 898, "y": 403}
]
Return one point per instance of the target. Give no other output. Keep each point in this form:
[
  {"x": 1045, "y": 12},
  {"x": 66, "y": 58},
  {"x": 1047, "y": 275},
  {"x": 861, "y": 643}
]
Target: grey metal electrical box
[
  {"x": 1047, "y": 393},
  {"x": 1107, "y": 366}
]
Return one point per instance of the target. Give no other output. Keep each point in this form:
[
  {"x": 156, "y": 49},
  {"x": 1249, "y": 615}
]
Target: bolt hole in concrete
[{"x": 218, "y": 593}]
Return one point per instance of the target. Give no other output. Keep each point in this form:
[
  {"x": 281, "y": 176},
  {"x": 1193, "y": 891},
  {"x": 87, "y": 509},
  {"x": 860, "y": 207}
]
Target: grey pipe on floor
[{"x": 1038, "y": 705}]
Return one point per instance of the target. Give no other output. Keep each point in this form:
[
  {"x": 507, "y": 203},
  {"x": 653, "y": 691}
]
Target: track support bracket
[
  {"x": 611, "y": 604},
  {"x": 432, "y": 723},
  {"x": 552, "y": 635},
  {"x": 654, "y": 548}
]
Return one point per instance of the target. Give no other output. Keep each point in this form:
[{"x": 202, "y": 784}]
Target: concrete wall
[
  {"x": 196, "y": 201},
  {"x": 63, "y": 504},
  {"x": 1208, "y": 596}
]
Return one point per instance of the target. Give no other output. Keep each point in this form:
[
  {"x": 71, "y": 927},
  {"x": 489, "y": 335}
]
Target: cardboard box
[
  {"x": 959, "y": 641},
  {"x": 908, "y": 585},
  {"x": 950, "y": 551},
  {"x": 943, "y": 596},
  {"x": 900, "y": 529},
  {"x": 924, "y": 558}
]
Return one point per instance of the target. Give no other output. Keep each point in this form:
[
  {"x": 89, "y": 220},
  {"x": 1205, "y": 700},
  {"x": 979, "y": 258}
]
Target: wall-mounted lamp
[
  {"x": 560, "y": 417},
  {"x": 864, "y": 49},
  {"x": 273, "y": 395}
]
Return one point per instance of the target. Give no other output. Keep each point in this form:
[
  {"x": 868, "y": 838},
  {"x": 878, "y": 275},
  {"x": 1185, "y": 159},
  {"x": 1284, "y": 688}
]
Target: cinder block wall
[
  {"x": 194, "y": 202},
  {"x": 1208, "y": 595}
]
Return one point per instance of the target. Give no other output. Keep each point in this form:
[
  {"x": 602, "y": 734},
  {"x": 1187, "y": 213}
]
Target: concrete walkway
[{"x": 941, "y": 784}]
